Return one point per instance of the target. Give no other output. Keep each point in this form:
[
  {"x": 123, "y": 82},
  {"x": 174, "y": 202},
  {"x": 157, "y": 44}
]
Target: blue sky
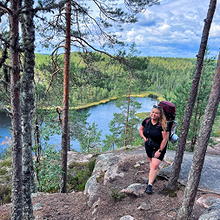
[{"x": 173, "y": 29}]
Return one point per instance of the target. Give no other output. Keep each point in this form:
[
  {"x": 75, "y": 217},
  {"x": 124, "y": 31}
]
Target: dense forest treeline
[{"x": 101, "y": 77}]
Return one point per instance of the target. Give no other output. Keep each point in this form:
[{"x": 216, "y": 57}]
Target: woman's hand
[
  {"x": 157, "y": 154},
  {"x": 145, "y": 139},
  {"x": 141, "y": 130}
]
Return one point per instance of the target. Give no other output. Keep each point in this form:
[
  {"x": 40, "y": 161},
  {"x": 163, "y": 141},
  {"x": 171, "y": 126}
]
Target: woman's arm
[
  {"x": 141, "y": 130},
  {"x": 165, "y": 136}
]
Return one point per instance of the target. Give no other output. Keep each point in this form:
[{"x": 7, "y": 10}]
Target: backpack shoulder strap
[
  {"x": 147, "y": 125},
  {"x": 147, "y": 120}
]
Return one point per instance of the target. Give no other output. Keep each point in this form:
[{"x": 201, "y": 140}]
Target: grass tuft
[{"x": 116, "y": 196}]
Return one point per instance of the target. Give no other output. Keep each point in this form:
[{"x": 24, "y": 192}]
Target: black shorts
[{"x": 150, "y": 152}]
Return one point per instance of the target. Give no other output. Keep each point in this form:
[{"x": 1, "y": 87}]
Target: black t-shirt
[{"x": 155, "y": 131}]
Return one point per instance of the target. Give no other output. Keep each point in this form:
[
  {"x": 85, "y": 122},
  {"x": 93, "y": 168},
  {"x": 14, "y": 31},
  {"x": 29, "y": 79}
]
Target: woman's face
[{"x": 155, "y": 114}]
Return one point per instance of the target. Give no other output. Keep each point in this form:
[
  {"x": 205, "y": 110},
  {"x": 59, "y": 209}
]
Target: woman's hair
[{"x": 162, "y": 119}]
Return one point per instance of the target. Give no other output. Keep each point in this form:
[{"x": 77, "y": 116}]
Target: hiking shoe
[
  {"x": 149, "y": 189},
  {"x": 153, "y": 182}
]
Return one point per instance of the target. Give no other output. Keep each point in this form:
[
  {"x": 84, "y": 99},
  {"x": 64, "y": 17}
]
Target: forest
[
  {"x": 43, "y": 94},
  {"x": 104, "y": 79}
]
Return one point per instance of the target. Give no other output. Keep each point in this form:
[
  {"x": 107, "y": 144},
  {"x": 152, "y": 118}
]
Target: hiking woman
[{"x": 155, "y": 132}]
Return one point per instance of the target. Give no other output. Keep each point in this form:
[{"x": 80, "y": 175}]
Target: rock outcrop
[
  {"x": 213, "y": 208},
  {"x": 107, "y": 169},
  {"x": 107, "y": 165},
  {"x": 210, "y": 173}
]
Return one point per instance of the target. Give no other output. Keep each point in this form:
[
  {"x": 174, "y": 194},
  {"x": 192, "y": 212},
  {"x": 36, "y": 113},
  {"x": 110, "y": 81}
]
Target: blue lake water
[
  {"x": 101, "y": 115},
  {"x": 5, "y": 136}
]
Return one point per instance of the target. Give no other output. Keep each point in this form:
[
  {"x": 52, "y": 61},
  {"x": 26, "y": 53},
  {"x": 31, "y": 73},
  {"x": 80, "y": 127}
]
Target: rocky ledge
[{"x": 107, "y": 167}]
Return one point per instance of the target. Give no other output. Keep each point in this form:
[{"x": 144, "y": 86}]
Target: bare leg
[{"x": 154, "y": 164}]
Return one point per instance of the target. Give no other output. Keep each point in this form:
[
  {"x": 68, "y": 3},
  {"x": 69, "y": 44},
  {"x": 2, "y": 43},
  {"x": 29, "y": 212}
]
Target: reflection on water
[{"x": 101, "y": 115}]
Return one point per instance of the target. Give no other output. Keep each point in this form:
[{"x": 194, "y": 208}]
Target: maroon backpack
[{"x": 169, "y": 110}]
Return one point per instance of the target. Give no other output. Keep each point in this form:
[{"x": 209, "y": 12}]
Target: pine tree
[
  {"x": 27, "y": 106},
  {"x": 118, "y": 124},
  {"x": 176, "y": 167},
  {"x": 202, "y": 98},
  {"x": 201, "y": 146}
]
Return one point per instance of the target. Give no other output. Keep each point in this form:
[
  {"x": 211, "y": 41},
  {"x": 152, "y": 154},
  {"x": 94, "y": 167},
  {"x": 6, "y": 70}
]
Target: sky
[{"x": 173, "y": 29}]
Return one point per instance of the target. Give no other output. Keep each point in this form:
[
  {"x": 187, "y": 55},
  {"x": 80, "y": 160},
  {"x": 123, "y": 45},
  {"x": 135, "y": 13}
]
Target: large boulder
[
  {"x": 207, "y": 181},
  {"x": 212, "y": 213},
  {"x": 106, "y": 168},
  {"x": 136, "y": 189}
]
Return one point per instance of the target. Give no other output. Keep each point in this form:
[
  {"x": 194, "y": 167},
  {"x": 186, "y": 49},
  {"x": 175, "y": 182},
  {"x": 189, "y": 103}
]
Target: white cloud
[
  {"x": 176, "y": 25},
  {"x": 174, "y": 28},
  {"x": 165, "y": 29},
  {"x": 215, "y": 30}
]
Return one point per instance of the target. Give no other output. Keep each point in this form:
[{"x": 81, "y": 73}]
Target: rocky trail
[{"x": 124, "y": 172}]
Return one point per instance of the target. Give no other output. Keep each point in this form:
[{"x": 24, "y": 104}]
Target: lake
[
  {"x": 101, "y": 114},
  {"x": 5, "y": 123}
]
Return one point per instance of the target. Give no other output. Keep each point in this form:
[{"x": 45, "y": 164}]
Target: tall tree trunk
[
  {"x": 65, "y": 101},
  {"x": 132, "y": 125},
  {"x": 16, "y": 113},
  {"x": 68, "y": 148},
  {"x": 129, "y": 97},
  {"x": 132, "y": 128},
  {"x": 194, "y": 136},
  {"x": 38, "y": 150},
  {"x": 28, "y": 38},
  {"x": 176, "y": 167},
  {"x": 199, "y": 155}
]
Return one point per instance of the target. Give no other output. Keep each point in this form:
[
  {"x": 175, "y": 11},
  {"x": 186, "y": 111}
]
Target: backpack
[{"x": 170, "y": 112}]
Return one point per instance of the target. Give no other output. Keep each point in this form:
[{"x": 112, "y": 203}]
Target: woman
[{"x": 154, "y": 129}]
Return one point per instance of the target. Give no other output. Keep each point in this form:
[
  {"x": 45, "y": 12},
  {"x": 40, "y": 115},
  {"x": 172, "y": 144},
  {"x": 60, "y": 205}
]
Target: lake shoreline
[
  {"x": 101, "y": 114},
  {"x": 104, "y": 101}
]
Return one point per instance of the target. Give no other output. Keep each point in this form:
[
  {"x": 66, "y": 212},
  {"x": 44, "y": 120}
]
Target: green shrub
[
  {"x": 78, "y": 181},
  {"x": 6, "y": 163},
  {"x": 49, "y": 170},
  {"x": 6, "y": 178},
  {"x": 77, "y": 165},
  {"x": 91, "y": 165},
  {"x": 81, "y": 178},
  {"x": 3, "y": 171},
  {"x": 5, "y": 194},
  {"x": 172, "y": 146},
  {"x": 78, "y": 174},
  {"x": 217, "y": 133},
  {"x": 100, "y": 179},
  {"x": 212, "y": 143},
  {"x": 72, "y": 165},
  {"x": 116, "y": 196}
]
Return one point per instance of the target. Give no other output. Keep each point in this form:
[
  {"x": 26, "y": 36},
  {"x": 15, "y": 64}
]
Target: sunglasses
[{"x": 158, "y": 107}]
